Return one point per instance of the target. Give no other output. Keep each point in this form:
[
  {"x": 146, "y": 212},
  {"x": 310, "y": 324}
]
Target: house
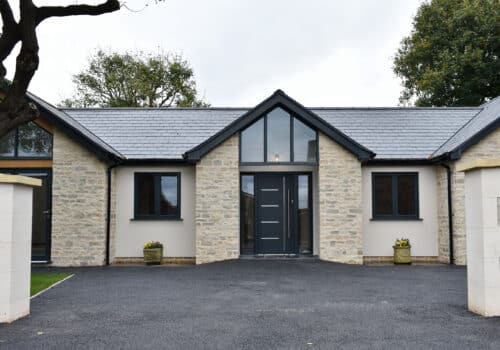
[{"x": 214, "y": 184}]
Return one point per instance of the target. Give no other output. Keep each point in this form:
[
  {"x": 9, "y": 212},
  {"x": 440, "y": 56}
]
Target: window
[
  {"x": 278, "y": 137},
  {"x": 395, "y": 196},
  {"x": 27, "y": 141},
  {"x": 157, "y": 196},
  {"x": 253, "y": 139},
  {"x": 247, "y": 208},
  {"x": 304, "y": 214},
  {"x": 304, "y": 142}
]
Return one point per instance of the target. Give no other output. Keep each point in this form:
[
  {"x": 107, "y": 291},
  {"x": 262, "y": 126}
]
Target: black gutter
[
  {"x": 450, "y": 212},
  {"x": 153, "y": 161},
  {"x": 397, "y": 162},
  {"x": 108, "y": 210}
]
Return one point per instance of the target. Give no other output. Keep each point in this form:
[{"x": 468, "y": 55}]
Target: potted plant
[
  {"x": 402, "y": 253},
  {"x": 153, "y": 252}
]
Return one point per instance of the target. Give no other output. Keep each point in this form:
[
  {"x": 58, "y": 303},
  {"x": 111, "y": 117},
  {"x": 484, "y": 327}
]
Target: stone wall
[
  {"x": 112, "y": 224},
  {"x": 78, "y": 205},
  {"x": 340, "y": 204},
  {"x": 442, "y": 206},
  {"x": 487, "y": 148},
  {"x": 217, "y": 204}
]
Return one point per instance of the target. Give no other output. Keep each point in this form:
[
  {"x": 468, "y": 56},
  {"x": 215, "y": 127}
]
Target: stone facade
[
  {"x": 217, "y": 204},
  {"x": 340, "y": 204},
  {"x": 488, "y": 148},
  {"x": 112, "y": 223},
  {"x": 78, "y": 205},
  {"x": 442, "y": 206}
]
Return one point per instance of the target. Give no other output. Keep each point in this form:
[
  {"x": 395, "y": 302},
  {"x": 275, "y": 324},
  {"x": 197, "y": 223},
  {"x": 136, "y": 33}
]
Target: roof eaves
[
  {"x": 69, "y": 124},
  {"x": 456, "y": 153},
  {"x": 436, "y": 153}
]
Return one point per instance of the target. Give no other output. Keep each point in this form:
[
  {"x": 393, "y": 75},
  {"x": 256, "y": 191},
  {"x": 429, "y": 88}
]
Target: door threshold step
[{"x": 279, "y": 257}]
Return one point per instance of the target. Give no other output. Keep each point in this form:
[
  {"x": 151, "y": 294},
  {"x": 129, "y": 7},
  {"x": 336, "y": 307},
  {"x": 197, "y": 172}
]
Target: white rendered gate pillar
[
  {"x": 16, "y": 206},
  {"x": 482, "y": 220}
]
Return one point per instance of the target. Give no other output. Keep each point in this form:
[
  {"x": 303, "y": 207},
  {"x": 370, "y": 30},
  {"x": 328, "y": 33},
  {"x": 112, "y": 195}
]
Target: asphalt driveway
[{"x": 258, "y": 305}]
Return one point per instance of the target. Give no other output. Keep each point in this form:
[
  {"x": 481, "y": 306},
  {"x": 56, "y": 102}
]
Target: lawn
[{"x": 41, "y": 281}]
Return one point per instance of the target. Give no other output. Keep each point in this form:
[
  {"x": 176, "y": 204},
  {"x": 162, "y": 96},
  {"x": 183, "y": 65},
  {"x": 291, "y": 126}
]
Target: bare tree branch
[
  {"x": 10, "y": 34},
  {"x": 15, "y": 109},
  {"x": 76, "y": 10},
  {"x": 7, "y": 15}
]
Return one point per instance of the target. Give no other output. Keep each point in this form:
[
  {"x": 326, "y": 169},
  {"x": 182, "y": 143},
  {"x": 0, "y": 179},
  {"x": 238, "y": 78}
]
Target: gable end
[{"x": 279, "y": 99}]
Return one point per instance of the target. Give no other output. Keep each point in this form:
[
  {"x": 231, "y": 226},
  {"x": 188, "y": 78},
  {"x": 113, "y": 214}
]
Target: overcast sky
[{"x": 321, "y": 52}]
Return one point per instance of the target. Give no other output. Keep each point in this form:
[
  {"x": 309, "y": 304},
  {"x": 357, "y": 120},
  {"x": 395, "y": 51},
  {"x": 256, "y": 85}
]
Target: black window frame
[
  {"x": 394, "y": 199},
  {"x": 31, "y": 157},
  {"x": 157, "y": 196},
  {"x": 292, "y": 156}
]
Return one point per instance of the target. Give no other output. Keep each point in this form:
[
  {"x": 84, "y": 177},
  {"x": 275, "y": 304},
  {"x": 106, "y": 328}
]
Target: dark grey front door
[{"x": 273, "y": 222}]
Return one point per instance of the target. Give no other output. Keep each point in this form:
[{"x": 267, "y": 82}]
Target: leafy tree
[
  {"x": 451, "y": 56},
  {"x": 135, "y": 80}
]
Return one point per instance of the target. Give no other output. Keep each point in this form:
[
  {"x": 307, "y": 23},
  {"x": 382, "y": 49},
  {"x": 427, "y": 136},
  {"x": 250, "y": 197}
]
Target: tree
[
  {"x": 451, "y": 56},
  {"x": 15, "y": 109},
  {"x": 135, "y": 80}
]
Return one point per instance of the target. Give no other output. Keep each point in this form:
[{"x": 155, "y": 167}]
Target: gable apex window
[
  {"x": 27, "y": 141},
  {"x": 157, "y": 196},
  {"x": 278, "y": 137},
  {"x": 395, "y": 196}
]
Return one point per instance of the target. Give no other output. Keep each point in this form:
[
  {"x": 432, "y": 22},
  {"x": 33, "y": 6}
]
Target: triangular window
[
  {"x": 27, "y": 141},
  {"x": 278, "y": 137}
]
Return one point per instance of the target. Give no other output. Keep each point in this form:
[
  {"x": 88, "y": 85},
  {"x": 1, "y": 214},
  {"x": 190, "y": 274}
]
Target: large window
[
  {"x": 278, "y": 137},
  {"x": 27, "y": 141},
  {"x": 157, "y": 196},
  {"x": 395, "y": 196}
]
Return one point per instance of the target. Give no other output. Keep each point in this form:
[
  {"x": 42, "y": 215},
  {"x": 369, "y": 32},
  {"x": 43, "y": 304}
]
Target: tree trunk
[{"x": 15, "y": 109}]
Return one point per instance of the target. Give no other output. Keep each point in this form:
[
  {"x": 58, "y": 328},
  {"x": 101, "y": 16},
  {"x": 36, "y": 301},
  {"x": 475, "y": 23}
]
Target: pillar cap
[
  {"x": 19, "y": 180},
  {"x": 479, "y": 164}
]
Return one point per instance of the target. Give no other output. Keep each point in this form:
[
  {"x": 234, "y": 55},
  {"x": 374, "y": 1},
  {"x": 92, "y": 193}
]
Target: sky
[{"x": 320, "y": 52}]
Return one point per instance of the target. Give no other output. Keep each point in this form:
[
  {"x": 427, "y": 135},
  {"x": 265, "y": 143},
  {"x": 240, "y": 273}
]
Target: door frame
[
  {"x": 48, "y": 225},
  {"x": 294, "y": 239}
]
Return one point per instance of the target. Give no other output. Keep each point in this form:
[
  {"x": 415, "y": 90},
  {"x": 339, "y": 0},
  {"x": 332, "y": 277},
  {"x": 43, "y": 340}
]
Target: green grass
[{"x": 41, "y": 281}]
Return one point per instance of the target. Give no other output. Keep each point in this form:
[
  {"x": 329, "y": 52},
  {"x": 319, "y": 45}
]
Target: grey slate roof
[
  {"x": 392, "y": 133},
  {"x": 489, "y": 115},
  {"x": 399, "y": 133},
  {"x": 154, "y": 133},
  {"x": 73, "y": 124}
]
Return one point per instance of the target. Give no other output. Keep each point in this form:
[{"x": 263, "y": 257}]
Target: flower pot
[
  {"x": 402, "y": 255},
  {"x": 153, "y": 256}
]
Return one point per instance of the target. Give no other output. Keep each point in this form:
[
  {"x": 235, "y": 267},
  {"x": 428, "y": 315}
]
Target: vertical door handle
[
  {"x": 284, "y": 214},
  {"x": 288, "y": 211}
]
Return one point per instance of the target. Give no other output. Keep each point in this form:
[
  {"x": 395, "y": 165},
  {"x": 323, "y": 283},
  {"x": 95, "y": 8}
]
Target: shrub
[
  {"x": 152, "y": 245},
  {"x": 402, "y": 242}
]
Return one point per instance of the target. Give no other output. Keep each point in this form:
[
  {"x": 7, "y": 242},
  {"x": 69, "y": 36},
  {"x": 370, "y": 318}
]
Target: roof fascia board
[
  {"x": 279, "y": 98},
  {"x": 154, "y": 161},
  {"x": 397, "y": 162}
]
